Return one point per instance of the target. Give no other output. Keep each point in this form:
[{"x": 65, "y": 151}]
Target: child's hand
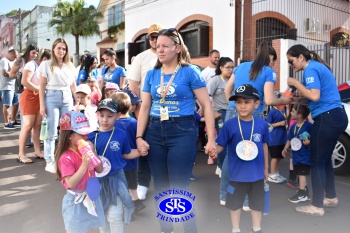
[
  {"x": 142, "y": 146},
  {"x": 306, "y": 141},
  {"x": 212, "y": 153},
  {"x": 284, "y": 152},
  {"x": 86, "y": 159}
]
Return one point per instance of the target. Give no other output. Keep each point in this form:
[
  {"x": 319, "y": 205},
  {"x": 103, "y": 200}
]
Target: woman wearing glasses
[
  {"x": 319, "y": 87},
  {"x": 56, "y": 89},
  {"x": 166, "y": 128},
  {"x": 89, "y": 70}
]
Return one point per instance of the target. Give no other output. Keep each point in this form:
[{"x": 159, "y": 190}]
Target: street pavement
[{"x": 30, "y": 201}]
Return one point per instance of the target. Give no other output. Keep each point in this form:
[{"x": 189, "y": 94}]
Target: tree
[
  {"x": 12, "y": 13},
  {"x": 76, "y": 19}
]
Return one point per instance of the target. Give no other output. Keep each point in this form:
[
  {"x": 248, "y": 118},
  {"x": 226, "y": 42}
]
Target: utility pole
[{"x": 20, "y": 31}]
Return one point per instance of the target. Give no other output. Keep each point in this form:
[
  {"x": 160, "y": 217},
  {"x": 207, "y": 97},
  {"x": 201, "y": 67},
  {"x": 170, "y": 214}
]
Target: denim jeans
[
  {"x": 114, "y": 219},
  {"x": 222, "y": 155},
  {"x": 57, "y": 103},
  {"x": 171, "y": 157},
  {"x": 231, "y": 112},
  {"x": 325, "y": 131}
]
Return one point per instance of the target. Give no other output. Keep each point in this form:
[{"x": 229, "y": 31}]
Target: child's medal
[
  {"x": 106, "y": 164},
  {"x": 163, "y": 110},
  {"x": 246, "y": 149},
  {"x": 296, "y": 143}
]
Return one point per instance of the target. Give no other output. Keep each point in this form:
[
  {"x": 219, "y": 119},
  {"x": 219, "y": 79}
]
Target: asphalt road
[{"x": 30, "y": 201}]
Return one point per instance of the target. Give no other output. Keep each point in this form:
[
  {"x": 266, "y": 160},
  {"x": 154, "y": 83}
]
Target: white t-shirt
[
  {"x": 6, "y": 83},
  {"x": 208, "y": 73},
  {"x": 142, "y": 63},
  {"x": 33, "y": 67},
  {"x": 60, "y": 79}
]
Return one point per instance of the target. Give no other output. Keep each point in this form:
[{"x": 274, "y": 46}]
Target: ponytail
[
  {"x": 262, "y": 59},
  {"x": 317, "y": 57}
]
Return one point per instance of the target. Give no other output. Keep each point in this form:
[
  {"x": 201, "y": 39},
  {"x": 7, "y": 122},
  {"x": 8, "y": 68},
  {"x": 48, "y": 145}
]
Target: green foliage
[
  {"x": 116, "y": 28},
  {"x": 12, "y": 13}
]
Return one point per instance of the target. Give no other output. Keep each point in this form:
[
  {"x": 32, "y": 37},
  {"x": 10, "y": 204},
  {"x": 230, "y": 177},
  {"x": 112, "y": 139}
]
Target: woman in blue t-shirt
[
  {"x": 166, "y": 129},
  {"x": 89, "y": 70},
  {"x": 112, "y": 72},
  {"x": 319, "y": 87}
]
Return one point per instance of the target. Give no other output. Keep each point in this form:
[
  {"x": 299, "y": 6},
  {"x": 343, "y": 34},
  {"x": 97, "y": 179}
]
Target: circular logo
[
  {"x": 175, "y": 206},
  {"x": 106, "y": 164},
  {"x": 246, "y": 150}
]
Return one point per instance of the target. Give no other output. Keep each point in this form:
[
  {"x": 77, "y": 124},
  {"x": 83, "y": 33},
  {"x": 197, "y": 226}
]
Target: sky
[{"x": 9, "y": 5}]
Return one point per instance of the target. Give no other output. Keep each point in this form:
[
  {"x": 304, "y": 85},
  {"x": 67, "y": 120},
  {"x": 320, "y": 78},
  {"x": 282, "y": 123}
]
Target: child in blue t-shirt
[
  {"x": 246, "y": 138},
  {"x": 112, "y": 146},
  {"x": 299, "y": 140},
  {"x": 276, "y": 120},
  {"x": 129, "y": 125}
]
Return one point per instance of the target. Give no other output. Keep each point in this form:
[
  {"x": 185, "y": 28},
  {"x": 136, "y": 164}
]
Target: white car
[{"x": 341, "y": 153}]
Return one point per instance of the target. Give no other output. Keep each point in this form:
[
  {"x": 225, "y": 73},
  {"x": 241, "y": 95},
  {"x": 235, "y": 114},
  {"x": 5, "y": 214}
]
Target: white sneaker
[
  {"x": 141, "y": 192},
  {"x": 275, "y": 179},
  {"x": 223, "y": 203},
  {"x": 50, "y": 167},
  {"x": 218, "y": 171},
  {"x": 246, "y": 208},
  {"x": 282, "y": 178}
]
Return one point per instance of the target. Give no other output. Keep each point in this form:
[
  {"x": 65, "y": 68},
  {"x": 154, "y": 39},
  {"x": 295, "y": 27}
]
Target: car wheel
[{"x": 341, "y": 155}]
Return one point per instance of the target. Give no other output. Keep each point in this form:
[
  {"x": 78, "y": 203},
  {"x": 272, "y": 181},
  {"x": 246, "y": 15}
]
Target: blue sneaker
[
  {"x": 9, "y": 126},
  {"x": 16, "y": 124},
  {"x": 193, "y": 177}
]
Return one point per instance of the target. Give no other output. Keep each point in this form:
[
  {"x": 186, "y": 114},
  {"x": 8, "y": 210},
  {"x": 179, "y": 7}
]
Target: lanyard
[
  {"x": 295, "y": 135},
  {"x": 164, "y": 93},
  {"x": 240, "y": 129},
  {"x": 284, "y": 114},
  {"x": 70, "y": 148},
  {"x": 109, "y": 140},
  {"x": 223, "y": 80}
]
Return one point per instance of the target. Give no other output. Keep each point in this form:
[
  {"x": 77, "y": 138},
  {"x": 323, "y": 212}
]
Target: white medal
[
  {"x": 296, "y": 144},
  {"x": 246, "y": 150},
  {"x": 106, "y": 164}
]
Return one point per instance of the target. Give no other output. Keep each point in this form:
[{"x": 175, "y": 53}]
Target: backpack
[{"x": 18, "y": 83}]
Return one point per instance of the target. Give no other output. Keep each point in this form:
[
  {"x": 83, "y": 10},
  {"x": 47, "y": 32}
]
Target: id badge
[{"x": 164, "y": 114}]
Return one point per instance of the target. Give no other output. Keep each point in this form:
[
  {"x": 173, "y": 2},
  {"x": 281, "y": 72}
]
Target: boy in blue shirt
[
  {"x": 298, "y": 139},
  {"x": 277, "y": 121},
  {"x": 246, "y": 138}
]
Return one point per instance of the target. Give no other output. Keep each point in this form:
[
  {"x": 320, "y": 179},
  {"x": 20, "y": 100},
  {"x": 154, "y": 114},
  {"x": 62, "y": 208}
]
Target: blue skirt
[{"x": 76, "y": 217}]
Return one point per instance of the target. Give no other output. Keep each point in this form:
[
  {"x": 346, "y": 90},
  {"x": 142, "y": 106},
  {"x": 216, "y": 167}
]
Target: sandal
[
  {"x": 330, "y": 202},
  {"x": 24, "y": 159},
  {"x": 38, "y": 157},
  {"x": 310, "y": 210}
]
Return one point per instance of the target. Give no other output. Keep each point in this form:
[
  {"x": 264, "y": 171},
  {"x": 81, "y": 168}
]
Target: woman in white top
[
  {"x": 56, "y": 91},
  {"x": 29, "y": 105}
]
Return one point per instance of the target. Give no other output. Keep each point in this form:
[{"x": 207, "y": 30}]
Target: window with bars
[
  {"x": 268, "y": 29},
  {"x": 196, "y": 37},
  {"x": 340, "y": 39},
  {"x": 115, "y": 14}
]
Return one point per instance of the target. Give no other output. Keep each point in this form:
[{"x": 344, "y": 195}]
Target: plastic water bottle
[
  {"x": 289, "y": 92},
  {"x": 266, "y": 199},
  {"x": 220, "y": 123},
  {"x": 83, "y": 147},
  {"x": 43, "y": 129}
]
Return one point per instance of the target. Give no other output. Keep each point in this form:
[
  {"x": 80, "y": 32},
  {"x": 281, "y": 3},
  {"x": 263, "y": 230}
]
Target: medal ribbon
[
  {"x": 285, "y": 117},
  {"x": 70, "y": 148},
  {"x": 164, "y": 93},
  {"x": 109, "y": 140},
  {"x": 295, "y": 128},
  {"x": 240, "y": 129}
]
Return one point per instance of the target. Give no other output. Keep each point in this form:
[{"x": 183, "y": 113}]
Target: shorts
[
  {"x": 255, "y": 191},
  {"x": 131, "y": 178},
  {"x": 276, "y": 151},
  {"x": 29, "y": 102},
  {"x": 9, "y": 98},
  {"x": 302, "y": 169},
  {"x": 76, "y": 217}
]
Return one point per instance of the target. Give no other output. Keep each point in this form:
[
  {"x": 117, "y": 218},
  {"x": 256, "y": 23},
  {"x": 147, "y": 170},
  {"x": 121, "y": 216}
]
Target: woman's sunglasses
[
  {"x": 290, "y": 62},
  {"x": 170, "y": 31}
]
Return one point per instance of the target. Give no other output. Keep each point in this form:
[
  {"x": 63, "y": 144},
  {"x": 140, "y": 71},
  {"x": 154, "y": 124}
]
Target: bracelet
[{"x": 139, "y": 137}]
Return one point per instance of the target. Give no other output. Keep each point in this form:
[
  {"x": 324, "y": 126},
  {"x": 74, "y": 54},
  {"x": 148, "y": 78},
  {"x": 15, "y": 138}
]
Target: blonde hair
[
  {"x": 54, "y": 60},
  {"x": 123, "y": 100}
]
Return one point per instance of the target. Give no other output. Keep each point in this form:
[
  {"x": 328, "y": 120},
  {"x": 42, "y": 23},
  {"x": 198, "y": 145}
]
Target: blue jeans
[
  {"x": 171, "y": 157},
  {"x": 57, "y": 103},
  {"x": 325, "y": 131},
  {"x": 222, "y": 155}
]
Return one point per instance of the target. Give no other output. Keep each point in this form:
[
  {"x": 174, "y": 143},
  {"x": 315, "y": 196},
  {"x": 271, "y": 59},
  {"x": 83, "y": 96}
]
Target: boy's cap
[
  {"x": 133, "y": 97},
  {"x": 108, "y": 104},
  {"x": 75, "y": 121},
  {"x": 246, "y": 91},
  {"x": 112, "y": 86},
  {"x": 84, "y": 88},
  {"x": 155, "y": 28}
]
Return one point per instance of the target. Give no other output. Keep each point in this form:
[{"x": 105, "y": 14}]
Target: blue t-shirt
[
  {"x": 241, "y": 73},
  {"x": 318, "y": 76},
  {"x": 82, "y": 76},
  {"x": 129, "y": 125},
  {"x": 113, "y": 76},
  {"x": 278, "y": 136},
  {"x": 301, "y": 156},
  {"x": 180, "y": 98},
  {"x": 118, "y": 146},
  {"x": 230, "y": 136}
]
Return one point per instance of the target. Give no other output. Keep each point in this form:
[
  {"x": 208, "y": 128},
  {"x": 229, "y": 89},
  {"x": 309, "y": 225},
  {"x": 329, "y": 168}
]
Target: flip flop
[
  {"x": 38, "y": 157},
  {"x": 24, "y": 159}
]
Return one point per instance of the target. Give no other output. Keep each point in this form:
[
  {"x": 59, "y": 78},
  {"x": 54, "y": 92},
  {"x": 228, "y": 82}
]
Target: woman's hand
[
  {"x": 292, "y": 82},
  {"x": 142, "y": 146},
  {"x": 210, "y": 149},
  {"x": 43, "y": 110}
]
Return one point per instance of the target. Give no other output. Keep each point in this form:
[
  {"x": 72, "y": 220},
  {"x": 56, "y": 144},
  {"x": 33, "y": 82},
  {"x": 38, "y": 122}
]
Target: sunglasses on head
[{"x": 170, "y": 31}]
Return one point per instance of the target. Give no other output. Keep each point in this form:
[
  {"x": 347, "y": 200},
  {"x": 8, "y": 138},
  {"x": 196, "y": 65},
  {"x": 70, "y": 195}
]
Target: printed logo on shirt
[
  {"x": 256, "y": 137},
  {"x": 310, "y": 80},
  {"x": 114, "y": 145},
  {"x": 171, "y": 91}
]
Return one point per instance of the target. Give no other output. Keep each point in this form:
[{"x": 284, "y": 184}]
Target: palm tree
[{"x": 74, "y": 18}]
